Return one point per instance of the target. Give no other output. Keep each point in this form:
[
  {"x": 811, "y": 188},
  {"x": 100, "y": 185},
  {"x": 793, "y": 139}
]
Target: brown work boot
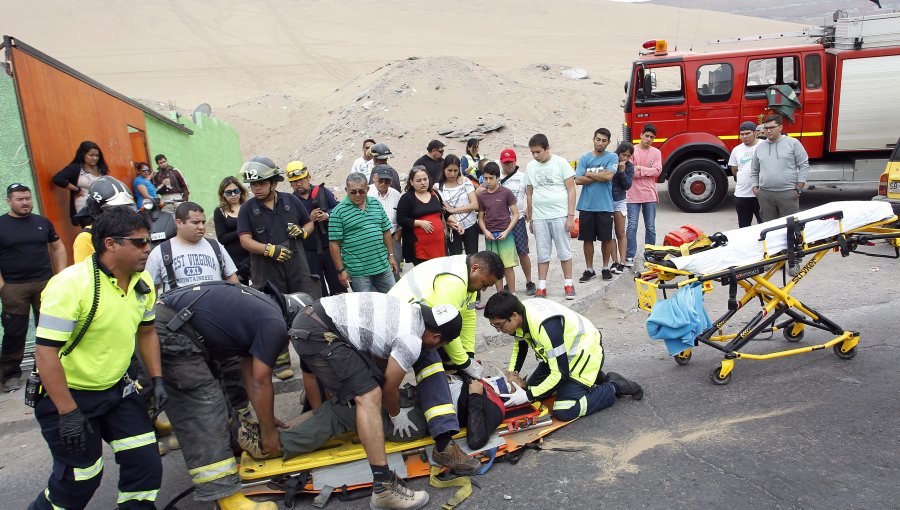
[
  {"x": 250, "y": 440},
  {"x": 395, "y": 494},
  {"x": 455, "y": 459}
]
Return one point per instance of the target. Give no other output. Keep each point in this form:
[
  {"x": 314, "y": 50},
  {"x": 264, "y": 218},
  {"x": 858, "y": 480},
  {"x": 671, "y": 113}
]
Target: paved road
[{"x": 808, "y": 431}]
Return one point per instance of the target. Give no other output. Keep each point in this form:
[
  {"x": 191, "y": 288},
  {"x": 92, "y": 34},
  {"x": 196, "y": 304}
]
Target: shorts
[
  {"x": 506, "y": 249},
  {"x": 343, "y": 370},
  {"x": 520, "y": 236},
  {"x": 621, "y": 206},
  {"x": 552, "y": 231},
  {"x": 595, "y": 226}
]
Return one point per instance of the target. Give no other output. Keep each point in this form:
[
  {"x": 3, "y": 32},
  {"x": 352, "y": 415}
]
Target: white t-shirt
[
  {"x": 362, "y": 166},
  {"x": 742, "y": 157},
  {"x": 192, "y": 263},
  {"x": 549, "y": 197},
  {"x": 388, "y": 201},
  {"x": 516, "y": 184},
  {"x": 459, "y": 197}
]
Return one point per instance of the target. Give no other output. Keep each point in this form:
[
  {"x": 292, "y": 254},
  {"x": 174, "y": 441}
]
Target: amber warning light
[{"x": 657, "y": 47}]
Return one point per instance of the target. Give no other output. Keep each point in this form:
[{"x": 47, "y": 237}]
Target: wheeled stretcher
[{"x": 751, "y": 258}]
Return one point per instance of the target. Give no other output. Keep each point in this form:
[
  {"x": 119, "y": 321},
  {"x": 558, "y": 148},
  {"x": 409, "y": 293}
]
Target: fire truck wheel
[{"x": 698, "y": 185}]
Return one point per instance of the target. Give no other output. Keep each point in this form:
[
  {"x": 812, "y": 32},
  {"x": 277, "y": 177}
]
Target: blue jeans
[
  {"x": 381, "y": 282},
  {"x": 634, "y": 211}
]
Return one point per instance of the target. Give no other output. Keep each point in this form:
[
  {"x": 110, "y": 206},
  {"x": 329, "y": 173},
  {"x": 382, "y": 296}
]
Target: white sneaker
[{"x": 629, "y": 262}]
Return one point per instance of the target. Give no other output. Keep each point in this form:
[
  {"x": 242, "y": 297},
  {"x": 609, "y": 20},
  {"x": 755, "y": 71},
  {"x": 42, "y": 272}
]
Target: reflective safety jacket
[
  {"x": 578, "y": 355},
  {"x": 440, "y": 281}
]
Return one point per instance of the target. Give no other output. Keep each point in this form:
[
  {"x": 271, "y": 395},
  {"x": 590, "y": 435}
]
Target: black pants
[
  {"x": 747, "y": 208},
  {"x": 123, "y": 423},
  {"x": 321, "y": 264},
  {"x": 467, "y": 242}
]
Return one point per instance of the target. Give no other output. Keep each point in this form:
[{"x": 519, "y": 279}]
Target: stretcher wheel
[
  {"x": 684, "y": 357},
  {"x": 845, "y": 355},
  {"x": 790, "y": 337},
  {"x": 718, "y": 379}
]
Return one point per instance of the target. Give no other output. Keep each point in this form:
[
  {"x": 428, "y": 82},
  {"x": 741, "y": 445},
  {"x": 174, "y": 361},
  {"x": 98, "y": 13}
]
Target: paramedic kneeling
[
  {"x": 570, "y": 351},
  {"x": 91, "y": 311},
  {"x": 360, "y": 346}
]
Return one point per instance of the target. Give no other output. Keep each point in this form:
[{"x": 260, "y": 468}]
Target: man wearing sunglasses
[
  {"x": 84, "y": 394},
  {"x": 433, "y": 160}
]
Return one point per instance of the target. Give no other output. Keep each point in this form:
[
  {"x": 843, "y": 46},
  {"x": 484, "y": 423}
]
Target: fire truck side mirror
[{"x": 647, "y": 85}]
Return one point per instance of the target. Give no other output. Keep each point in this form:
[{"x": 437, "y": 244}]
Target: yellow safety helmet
[{"x": 296, "y": 170}]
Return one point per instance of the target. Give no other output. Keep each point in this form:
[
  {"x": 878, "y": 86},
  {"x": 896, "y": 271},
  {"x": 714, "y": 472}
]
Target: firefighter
[
  {"x": 271, "y": 227},
  {"x": 456, "y": 281},
  {"x": 570, "y": 353},
  {"x": 90, "y": 314},
  {"x": 200, "y": 326}
]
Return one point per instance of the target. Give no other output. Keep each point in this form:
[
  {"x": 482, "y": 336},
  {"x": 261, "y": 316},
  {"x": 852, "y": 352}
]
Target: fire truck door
[
  {"x": 716, "y": 105},
  {"x": 659, "y": 100},
  {"x": 761, "y": 73}
]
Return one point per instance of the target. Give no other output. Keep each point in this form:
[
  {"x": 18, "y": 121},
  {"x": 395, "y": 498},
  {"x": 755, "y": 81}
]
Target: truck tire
[{"x": 698, "y": 185}]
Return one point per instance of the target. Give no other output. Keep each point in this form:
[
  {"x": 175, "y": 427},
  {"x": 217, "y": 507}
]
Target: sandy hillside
[{"x": 309, "y": 79}]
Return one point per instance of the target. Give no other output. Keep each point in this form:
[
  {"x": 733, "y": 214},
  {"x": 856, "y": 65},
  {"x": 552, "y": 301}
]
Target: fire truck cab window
[
  {"x": 813, "y": 71},
  {"x": 660, "y": 86},
  {"x": 714, "y": 82},
  {"x": 765, "y": 72}
]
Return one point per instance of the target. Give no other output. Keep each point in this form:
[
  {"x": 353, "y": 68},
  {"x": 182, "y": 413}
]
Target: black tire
[
  {"x": 845, "y": 355},
  {"x": 792, "y": 338},
  {"x": 720, "y": 381},
  {"x": 698, "y": 185},
  {"x": 684, "y": 360}
]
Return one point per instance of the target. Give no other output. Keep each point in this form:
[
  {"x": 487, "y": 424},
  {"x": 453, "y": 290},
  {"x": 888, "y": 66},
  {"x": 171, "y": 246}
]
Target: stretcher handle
[{"x": 837, "y": 215}]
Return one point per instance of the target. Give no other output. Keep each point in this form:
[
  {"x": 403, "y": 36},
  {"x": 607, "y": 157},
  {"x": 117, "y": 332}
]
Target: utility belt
[{"x": 34, "y": 388}]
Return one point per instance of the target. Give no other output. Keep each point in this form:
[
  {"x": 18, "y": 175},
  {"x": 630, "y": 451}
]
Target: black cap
[
  {"x": 747, "y": 125},
  {"x": 443, "y": 319},
  {"x": 383, "y": 172},
  {"x": 16, "y": 186}
]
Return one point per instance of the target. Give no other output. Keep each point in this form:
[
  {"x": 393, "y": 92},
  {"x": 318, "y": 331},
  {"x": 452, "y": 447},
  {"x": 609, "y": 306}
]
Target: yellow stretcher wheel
[
  {"x": 789, "y": 335},
  {"x": 716, "y": 377},
  {"x": 683, "y": 357},
  {"x": 845, "y": 355}
]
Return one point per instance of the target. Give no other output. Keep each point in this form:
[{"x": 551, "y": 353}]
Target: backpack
[{"x": 166, "y": 252}]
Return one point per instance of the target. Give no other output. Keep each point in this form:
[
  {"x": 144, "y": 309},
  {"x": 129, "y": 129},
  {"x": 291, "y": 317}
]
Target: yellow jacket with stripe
[
  {"x": 440, "y": 281},
  {"x": 577, "y": 355}
]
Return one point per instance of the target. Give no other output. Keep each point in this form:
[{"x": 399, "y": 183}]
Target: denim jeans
[
  {"x": 374, "y": 283},
  {"x": 634, "y": 211}
]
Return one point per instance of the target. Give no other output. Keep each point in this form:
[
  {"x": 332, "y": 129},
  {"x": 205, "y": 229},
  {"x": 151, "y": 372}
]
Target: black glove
[
  {"x": 73, "y": 429},
  {"x": 158, "y": 399}
]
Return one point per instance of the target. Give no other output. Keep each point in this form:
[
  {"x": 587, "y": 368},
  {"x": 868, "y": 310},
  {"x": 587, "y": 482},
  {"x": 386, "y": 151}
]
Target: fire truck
[{"x": 846, "y": 84}]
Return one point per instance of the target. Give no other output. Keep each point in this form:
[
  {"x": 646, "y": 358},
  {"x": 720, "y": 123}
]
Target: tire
[
  {"x": 717, "y": 379},
  {"x": 845, "y": 355},
  {"x": 698, "y": 185},
  {"x": 684, "y": 357},
  {"x": 789, "y": 337}
]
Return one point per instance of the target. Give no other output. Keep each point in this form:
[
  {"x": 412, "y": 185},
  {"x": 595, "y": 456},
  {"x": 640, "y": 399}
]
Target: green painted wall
[
  {"x": 14, "y": 160},
  {"x": 204, "y": 158}
]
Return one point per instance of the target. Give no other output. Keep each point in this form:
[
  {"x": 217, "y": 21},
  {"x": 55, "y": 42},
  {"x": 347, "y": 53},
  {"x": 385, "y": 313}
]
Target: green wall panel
[{"x": 14, "y": 161}]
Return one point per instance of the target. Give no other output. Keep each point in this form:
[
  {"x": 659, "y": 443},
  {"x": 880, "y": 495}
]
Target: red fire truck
[{"x": 846, "y": 83}]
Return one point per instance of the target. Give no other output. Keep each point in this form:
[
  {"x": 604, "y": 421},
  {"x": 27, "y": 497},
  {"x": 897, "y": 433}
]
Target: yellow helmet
[{"x": 296, "y": 170}]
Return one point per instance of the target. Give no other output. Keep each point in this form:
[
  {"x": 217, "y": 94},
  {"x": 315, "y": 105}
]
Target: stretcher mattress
[{"x": 744, "y": 246}]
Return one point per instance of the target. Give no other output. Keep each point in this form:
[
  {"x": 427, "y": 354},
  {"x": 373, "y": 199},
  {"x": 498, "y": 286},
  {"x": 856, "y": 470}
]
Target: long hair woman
[
  {"x": 86, "y": 167},
  {"x": 421, "y": 214},
  {"x": 458, "y": 194},
  {"x": 231, "y": 195}
]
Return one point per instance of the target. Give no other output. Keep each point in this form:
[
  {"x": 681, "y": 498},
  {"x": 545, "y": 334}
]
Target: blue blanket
[{"x": 678, "y": 320}]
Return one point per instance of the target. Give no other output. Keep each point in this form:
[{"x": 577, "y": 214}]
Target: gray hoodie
[{"x": 780, "y": 165}]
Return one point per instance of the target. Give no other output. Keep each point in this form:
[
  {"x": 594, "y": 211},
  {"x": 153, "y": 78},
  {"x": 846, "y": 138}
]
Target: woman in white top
[{"x": 458, "y": 194}]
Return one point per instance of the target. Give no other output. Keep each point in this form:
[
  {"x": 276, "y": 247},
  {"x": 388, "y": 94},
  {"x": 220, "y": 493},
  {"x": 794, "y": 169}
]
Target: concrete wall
[
  {"x": 204, "y": 158},
  {"x": 14, "y": 161}
]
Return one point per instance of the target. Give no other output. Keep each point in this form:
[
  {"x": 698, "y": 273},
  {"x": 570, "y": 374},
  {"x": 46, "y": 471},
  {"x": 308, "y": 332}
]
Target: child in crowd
[{"x": 497, "y": 215}]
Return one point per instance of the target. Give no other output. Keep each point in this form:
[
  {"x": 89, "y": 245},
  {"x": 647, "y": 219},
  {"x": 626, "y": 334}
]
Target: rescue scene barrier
[{"x": 764, "y": 262}]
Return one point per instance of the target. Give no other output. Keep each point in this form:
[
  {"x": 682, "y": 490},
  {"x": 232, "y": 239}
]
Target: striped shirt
[{"x": 361, "y": 234}]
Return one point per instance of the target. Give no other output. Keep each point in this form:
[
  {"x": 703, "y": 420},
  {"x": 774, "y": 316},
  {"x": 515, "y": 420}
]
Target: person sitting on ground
[
  {"x": 570, "y": 351},
  {"x": 498, "y": 213}
]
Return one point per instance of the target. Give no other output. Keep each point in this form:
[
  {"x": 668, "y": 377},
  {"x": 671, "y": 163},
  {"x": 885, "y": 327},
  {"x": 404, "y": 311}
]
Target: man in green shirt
[{"x": 359, "y": 234}]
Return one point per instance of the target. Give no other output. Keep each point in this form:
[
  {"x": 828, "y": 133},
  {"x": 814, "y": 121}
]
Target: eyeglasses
[
  {"x": 357, "y": 191},
  {"x": 139, "y": 242},
  {"x": 231, "y": 192},
  {"x": 145, "y": 170},
  {"x": 499, "y": 325}
]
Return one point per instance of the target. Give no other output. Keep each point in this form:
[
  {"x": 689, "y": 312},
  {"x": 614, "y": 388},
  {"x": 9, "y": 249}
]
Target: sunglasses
[
  {"x": 357, "y": 191},
  {"x": 231, "y": 192},
  {"x": 139, "y": 242}
]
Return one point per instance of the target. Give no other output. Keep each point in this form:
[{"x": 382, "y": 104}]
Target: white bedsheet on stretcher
[{"x": 744, "y": 246}]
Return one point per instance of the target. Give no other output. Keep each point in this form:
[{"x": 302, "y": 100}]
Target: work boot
[
  {"x": 250, "y": 440},
  {"x": 624, "y": 386},
  {"x": 238, "y": 501},
  {"x": 284, "y": 372},
  {"x": 395, "y": 494},
  {"x": 455, "y": 459},
  {"x": 163, "y": 427}
]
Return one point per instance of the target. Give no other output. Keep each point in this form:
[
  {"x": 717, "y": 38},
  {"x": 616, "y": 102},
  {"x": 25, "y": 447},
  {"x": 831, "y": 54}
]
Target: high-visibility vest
[{"x": 582, "y": 342}]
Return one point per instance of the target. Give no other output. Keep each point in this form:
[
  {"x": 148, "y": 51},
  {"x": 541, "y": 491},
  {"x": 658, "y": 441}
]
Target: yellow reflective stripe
[
  {"x": 810, "y": 133},
  {"x": 88, "y": 472},
  {"x": 429, "y": 371},
  {"x": 128, "y": 443},
  {"x": 563, "y": 404},
  {"x": 213, "y": 471},
  {"x": 137, "y": 495},
  {"x": 439, "y": 410},
  {"x": 729, "y": 137},
  {"x": 47, "y": 496},
  {"x": 583, "y": 403},
  {"x": 655, "y": 140}
]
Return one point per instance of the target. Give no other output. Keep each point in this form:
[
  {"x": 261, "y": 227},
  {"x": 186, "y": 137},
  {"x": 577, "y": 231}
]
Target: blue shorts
[{"x": 520, "y": 235}]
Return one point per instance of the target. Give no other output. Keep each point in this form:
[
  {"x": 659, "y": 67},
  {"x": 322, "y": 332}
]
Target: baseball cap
[
  {"x": 383, "y": 172},
  {"x": 17, "y": 186},
  {"x": 507, "y": 155},
  {"x": 443, "y": 319},
  {"x": 747, "y": 126}
]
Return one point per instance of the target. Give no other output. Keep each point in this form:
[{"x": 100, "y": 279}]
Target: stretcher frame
[{"x": 756, "y": 281}]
